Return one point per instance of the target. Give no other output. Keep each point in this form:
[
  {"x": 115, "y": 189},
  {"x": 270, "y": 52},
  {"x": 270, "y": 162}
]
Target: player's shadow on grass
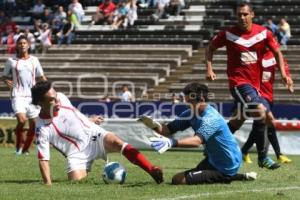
[
  {"x": 26, "y": 181},
  {"x": 144, "y": 184}
]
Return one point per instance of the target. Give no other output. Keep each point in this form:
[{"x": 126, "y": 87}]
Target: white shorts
[
  {"x": 84, "y": 159},
  {"x": 23, "y": 105}
]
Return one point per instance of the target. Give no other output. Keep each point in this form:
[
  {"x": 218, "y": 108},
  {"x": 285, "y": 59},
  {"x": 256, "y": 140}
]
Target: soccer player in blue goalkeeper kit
[{"x": 223, "y": 156}]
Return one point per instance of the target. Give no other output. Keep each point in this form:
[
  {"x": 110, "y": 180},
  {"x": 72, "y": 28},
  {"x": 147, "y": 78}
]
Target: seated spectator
[
  {"x": 8, "y": 27},
  {"x": 47, "y": 16},
  {"x": 38, "y": 9},
  {"x": 120, "y": 15},
  {"x": 73, "y": 19},
  {"x": 58, "y": 21},
  {"x": 104, "y": 13},
  {"x": 284, "y": 32},
  {"x": 273, "y": 27},
  {"x": 175, "y": 7},
  {"x": 76, "y": 8},
  {"x": 161, "y": 6},
  {"x": 67, "y": 33},
  {"x": 132, "y": 13}
]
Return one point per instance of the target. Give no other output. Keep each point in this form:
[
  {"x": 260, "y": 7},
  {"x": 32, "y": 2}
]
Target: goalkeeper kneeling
[{"x": 223, "y": 157}]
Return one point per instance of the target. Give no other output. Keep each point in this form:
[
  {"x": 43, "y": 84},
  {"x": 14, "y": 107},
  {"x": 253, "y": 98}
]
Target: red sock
[
  {"x": 19, "y": 138},
  {"x": 136, "y": 157},
  {"x": 29, "y": 138}
]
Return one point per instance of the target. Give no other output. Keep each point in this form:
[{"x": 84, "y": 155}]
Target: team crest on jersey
[{"x": 248, "y": 98}]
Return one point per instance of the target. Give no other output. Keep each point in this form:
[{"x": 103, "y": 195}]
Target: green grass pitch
[{"x": 20, "y": 179}]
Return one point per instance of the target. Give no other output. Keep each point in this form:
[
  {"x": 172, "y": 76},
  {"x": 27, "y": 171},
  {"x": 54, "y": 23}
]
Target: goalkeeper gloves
[
  {"x": 149, "y": 122},
  {"x": 162, "y": 144}
]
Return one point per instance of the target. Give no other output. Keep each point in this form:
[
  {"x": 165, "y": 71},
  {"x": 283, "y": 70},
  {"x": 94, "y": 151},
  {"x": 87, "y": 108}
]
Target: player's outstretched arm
[
  {"x": 45, "y": 172},
  {"x": 210, "y": 75}
]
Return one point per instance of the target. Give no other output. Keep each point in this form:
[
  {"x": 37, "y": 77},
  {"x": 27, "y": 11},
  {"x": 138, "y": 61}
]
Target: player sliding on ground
[
  {"x": 223, "y": 158},
  {"x": 80, "y": 140}
]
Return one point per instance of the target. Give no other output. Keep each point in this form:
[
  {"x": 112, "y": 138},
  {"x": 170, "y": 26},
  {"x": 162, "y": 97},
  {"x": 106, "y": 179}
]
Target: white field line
[{"x": 206, "y": 194}]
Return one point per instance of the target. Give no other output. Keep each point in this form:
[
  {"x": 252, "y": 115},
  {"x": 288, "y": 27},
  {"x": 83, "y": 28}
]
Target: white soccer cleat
[
  {"x": 251, "y": 176},
  {"x": 149, "y": 122}
]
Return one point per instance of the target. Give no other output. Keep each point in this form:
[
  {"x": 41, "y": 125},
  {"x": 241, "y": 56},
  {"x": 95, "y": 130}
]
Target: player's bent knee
[
  {"x": 77, "y": 175},
  {"x": 179, "y": 179},
  {"x": 112, "y": 143}
]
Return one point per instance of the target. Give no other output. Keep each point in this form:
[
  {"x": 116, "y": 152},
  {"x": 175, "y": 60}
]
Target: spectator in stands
[
  {"x": 76, "y": 8},
  {"x": 273, "y": 27},
  {"x": 45, "y": 37},
  {"x": 73, "y": 18},
  {"x": 20, "y": 72},
  {"x": 120, "y": 15},
  {"x": 245, "y": 71},
  {"x": 2, "y": 17},
  {"x": 47, "y": 16},
  {"x": 161, "y": 6},
  {"x": 175, "y": 7},
  {"x": 132, "y": 15},
  {"x": 30, "y": 38},
  {"x": 104, "y": 13},
  {"x": 79, "y": 139},
  {"x": 9, "y": 27},
  {"x": 67, "y": 33},
  {"x": 284, "y": 31},
  {"x": 126, "y": 94},
  {"x": 59, "y": 17},
  {"x": 10, "y": 7},
  {"x": 38, "y": 9}
]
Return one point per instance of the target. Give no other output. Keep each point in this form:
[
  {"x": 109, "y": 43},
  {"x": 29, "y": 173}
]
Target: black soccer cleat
[{"x": 157, "y": 174}]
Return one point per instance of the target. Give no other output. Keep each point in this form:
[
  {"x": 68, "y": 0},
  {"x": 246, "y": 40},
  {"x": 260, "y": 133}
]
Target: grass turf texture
[{"x": 20, "y": 179}]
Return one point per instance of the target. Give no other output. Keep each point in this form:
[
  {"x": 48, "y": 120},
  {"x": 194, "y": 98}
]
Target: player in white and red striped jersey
[
  {"x": 266, "y": 90},
  {"x": 20, "y": 74},
  {"x": 245, "y": 46},
  {"x": 80, "y": 140}
]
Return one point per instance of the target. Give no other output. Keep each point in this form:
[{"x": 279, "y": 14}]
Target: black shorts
[{"x": 205, "y": 173}]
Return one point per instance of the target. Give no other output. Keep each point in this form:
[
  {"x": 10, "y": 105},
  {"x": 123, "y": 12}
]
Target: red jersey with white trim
[
  {"x": 69, "y": 131},
  {"x": 245, "y": 51},
  {"x": 23, "y": 72},
  {"x": 269, "y": 65}
]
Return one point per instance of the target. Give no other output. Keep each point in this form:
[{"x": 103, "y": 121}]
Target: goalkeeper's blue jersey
[{"x": 222, "y": 149}]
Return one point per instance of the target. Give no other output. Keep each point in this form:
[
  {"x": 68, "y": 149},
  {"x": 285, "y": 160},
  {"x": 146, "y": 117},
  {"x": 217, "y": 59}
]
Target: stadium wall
[{"x": 137, "y": 134}]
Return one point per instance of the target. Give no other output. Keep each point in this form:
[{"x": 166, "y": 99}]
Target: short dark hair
[
  {"x": 243, "y": 4},
  {"x": 196, "y": 91},
  {"x": 39, "y": 90},
  {"x": 22, "y": 37}
]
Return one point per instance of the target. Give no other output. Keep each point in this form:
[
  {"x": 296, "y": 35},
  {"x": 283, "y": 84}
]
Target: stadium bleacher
[{"x": 160, "y": 56}]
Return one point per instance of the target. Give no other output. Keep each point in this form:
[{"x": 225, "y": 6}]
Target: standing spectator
[
  {"x": 67, "y": 32},
  {"x": 19, "y": 75},
  {"x": 284, "y": 31},
  {"x": 45, "y": 37},
  {"x": 30, "y": 38},
  {"x": 76, "y": 8},
  {"x": 104, "y": 13},
  {"x": 126, "y": 94},
  {"x": 244, "y": 72}
]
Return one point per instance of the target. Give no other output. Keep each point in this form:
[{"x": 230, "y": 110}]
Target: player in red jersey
[
  {"x": 245, "y": 44},
  {"x": 266, "y": 90}
]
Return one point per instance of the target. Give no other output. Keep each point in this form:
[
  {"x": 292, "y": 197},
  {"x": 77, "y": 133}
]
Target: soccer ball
[{"x": 114, "y": 172}]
